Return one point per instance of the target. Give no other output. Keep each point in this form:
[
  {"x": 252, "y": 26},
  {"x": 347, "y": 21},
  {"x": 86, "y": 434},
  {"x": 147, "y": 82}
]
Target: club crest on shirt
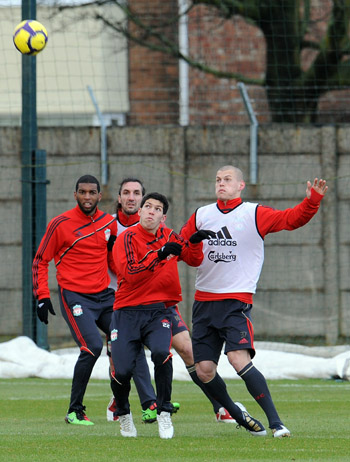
[
  {"x": 107, "y": 234},
  {"x": 114, "y": 335},
  {"x": 77, "y": 310},
  {"x": 165, "y": 323}
]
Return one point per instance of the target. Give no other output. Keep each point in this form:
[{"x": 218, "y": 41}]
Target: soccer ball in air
[{"x": 30, "y": 37}]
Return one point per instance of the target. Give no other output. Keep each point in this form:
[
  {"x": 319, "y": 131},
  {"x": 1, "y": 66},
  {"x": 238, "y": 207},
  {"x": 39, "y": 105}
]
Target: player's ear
[
  {"x": 139, "y": 211},
  {"x": 242, "y": 185},
  {"x": 163, "y": 219}
]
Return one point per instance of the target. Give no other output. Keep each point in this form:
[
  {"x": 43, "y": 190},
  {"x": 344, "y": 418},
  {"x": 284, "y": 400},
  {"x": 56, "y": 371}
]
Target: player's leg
[
  {"x": 80, "y": 319},
  {"x": 241, "y": 361},
  {"x": 103, "y": 322},
  {"x": 142, "y": 379},
  {"x": 207, "y": 340},
  {"x": 141, "y": 373},
  {"x": 125, "y": 341},
  {"x": 221, "y": 414},
  {"x": 157, "y": 337},
  {"x": 112, "y": 415},
  {"x": 143, "y": 383},
  {"x": 182, "y": 343},
  {"x": 145, "y": 390}
]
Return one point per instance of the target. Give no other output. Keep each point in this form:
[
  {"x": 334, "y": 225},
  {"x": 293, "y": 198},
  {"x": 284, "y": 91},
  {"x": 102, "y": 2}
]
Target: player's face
[
  {"x": 151, "y": 215},
  {"x": 130, "y": 197},
  {"x": 227, "y": 185},
  {"x": 87, "y": 197}
]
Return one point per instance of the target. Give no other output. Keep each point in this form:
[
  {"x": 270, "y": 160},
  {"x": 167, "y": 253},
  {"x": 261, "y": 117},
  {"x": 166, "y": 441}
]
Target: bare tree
[{"x": 293, "y": 85}]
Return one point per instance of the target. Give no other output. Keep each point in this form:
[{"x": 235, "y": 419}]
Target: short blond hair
[{"x": 236, "y": 170}]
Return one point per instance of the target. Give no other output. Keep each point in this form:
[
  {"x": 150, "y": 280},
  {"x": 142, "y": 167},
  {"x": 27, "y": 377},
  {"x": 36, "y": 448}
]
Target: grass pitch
[{"x": 32, "y": 426}]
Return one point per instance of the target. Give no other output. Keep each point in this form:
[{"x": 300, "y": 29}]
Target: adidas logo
[{"x": 223, "y": 238}]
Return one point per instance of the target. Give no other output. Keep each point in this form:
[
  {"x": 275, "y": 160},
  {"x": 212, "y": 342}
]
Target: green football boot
[
  {"x": 149, "y": 415},
  {"x": 78, "y": 418}
]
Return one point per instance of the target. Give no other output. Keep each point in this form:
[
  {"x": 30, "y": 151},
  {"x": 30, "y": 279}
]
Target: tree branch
[{"x": 166, "y": 46}]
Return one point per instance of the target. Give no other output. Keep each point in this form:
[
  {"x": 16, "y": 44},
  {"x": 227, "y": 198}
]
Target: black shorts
[
  {"x": 177, "y": 323},
  {"x": 216, "y": 323}
]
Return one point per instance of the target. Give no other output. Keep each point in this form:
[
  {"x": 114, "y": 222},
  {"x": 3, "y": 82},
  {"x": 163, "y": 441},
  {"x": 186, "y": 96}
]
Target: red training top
[
  {"x": 78, "y": 244},
  {"x": 144, "y": 279},
  {"x": 125, "y": 221}
]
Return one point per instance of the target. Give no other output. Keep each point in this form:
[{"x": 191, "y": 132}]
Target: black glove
[
  {"x": 44, "y": 306},
  {"x": 111, "y": 242},
  {"x": 172, "y": 248},
  {"x": 198, "y": 237}
]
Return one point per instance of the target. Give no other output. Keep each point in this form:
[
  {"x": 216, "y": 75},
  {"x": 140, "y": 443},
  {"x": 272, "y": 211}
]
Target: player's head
[
  {"x": 154, "y": 207},
  {"x": 130, "y": 194},
  {"x": 88, "y": 179},
  {"x": 229, "y": 183},
  {"x": 87, "y": 194}
]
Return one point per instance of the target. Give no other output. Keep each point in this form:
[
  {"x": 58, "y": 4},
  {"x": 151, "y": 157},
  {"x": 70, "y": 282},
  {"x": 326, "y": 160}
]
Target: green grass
[{"x": 32, "y": 426}]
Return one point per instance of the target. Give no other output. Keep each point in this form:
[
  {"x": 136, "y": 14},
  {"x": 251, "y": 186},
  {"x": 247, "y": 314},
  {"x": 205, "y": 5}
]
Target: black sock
[
  {"x": 193, "y": 374},
  {"x": 217, "y": 389},
  {"x": 257, "y": 387}
]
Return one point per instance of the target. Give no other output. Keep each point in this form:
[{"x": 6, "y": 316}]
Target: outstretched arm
[
  {"x": 319, "y": 186},
  {"x": 271, "y": 220}
]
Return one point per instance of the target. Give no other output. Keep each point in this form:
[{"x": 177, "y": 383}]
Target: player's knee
[
  {"x": 238, "y": 359},
  {"x": 93, "y": 347},
  {"x": 205, "y": 371},
  {"x": 119, "y": 370},
  {"x": 203, "y": 377},
  {"x": 121, "y": 376},
  {"x": 160, "y": 357}
]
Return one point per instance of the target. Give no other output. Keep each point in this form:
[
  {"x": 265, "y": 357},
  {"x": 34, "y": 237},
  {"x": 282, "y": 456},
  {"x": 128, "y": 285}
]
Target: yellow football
[{"x": 30, "y": 37}]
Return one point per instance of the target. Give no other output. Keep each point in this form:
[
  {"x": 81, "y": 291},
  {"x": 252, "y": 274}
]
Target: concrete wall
[{"x": 304, "y": 286}]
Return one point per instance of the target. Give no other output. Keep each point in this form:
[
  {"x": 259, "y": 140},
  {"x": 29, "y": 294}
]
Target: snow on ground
[{"x": 20, "y": 358}]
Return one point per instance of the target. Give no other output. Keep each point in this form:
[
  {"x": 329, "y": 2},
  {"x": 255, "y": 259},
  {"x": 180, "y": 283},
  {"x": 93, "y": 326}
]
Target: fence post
[
  {"x": 29, "y": 144},
  {"x": 329, "y": 209},
  {"x": 39, "y": 217},
  {"x": 253, "y": 134}
]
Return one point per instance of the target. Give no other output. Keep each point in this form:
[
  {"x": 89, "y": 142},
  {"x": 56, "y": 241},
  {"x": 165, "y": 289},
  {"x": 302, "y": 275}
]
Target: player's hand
[
  {"x": 44, "y": 306},
  {"x": 319, "y": 186},
  {"x": 170, "y": 248},
  {"x": 200, "y": 235},
  {"x": 111, "y": 242}
]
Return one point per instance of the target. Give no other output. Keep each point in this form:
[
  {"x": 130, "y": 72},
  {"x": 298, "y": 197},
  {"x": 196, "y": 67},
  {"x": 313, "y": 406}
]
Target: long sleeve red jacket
[
  {"x": 78, "y": 245},
  {"x": 144, "y": 279}
]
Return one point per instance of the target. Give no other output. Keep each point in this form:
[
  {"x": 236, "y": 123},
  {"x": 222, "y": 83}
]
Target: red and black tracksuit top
[
  {"x": 144, "y": 279},
  {"x": 78, "y": 245}
]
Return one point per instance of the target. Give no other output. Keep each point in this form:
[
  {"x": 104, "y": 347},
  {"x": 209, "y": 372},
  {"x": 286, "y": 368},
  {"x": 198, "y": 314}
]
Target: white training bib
[{"x": 233, "y": 259}]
